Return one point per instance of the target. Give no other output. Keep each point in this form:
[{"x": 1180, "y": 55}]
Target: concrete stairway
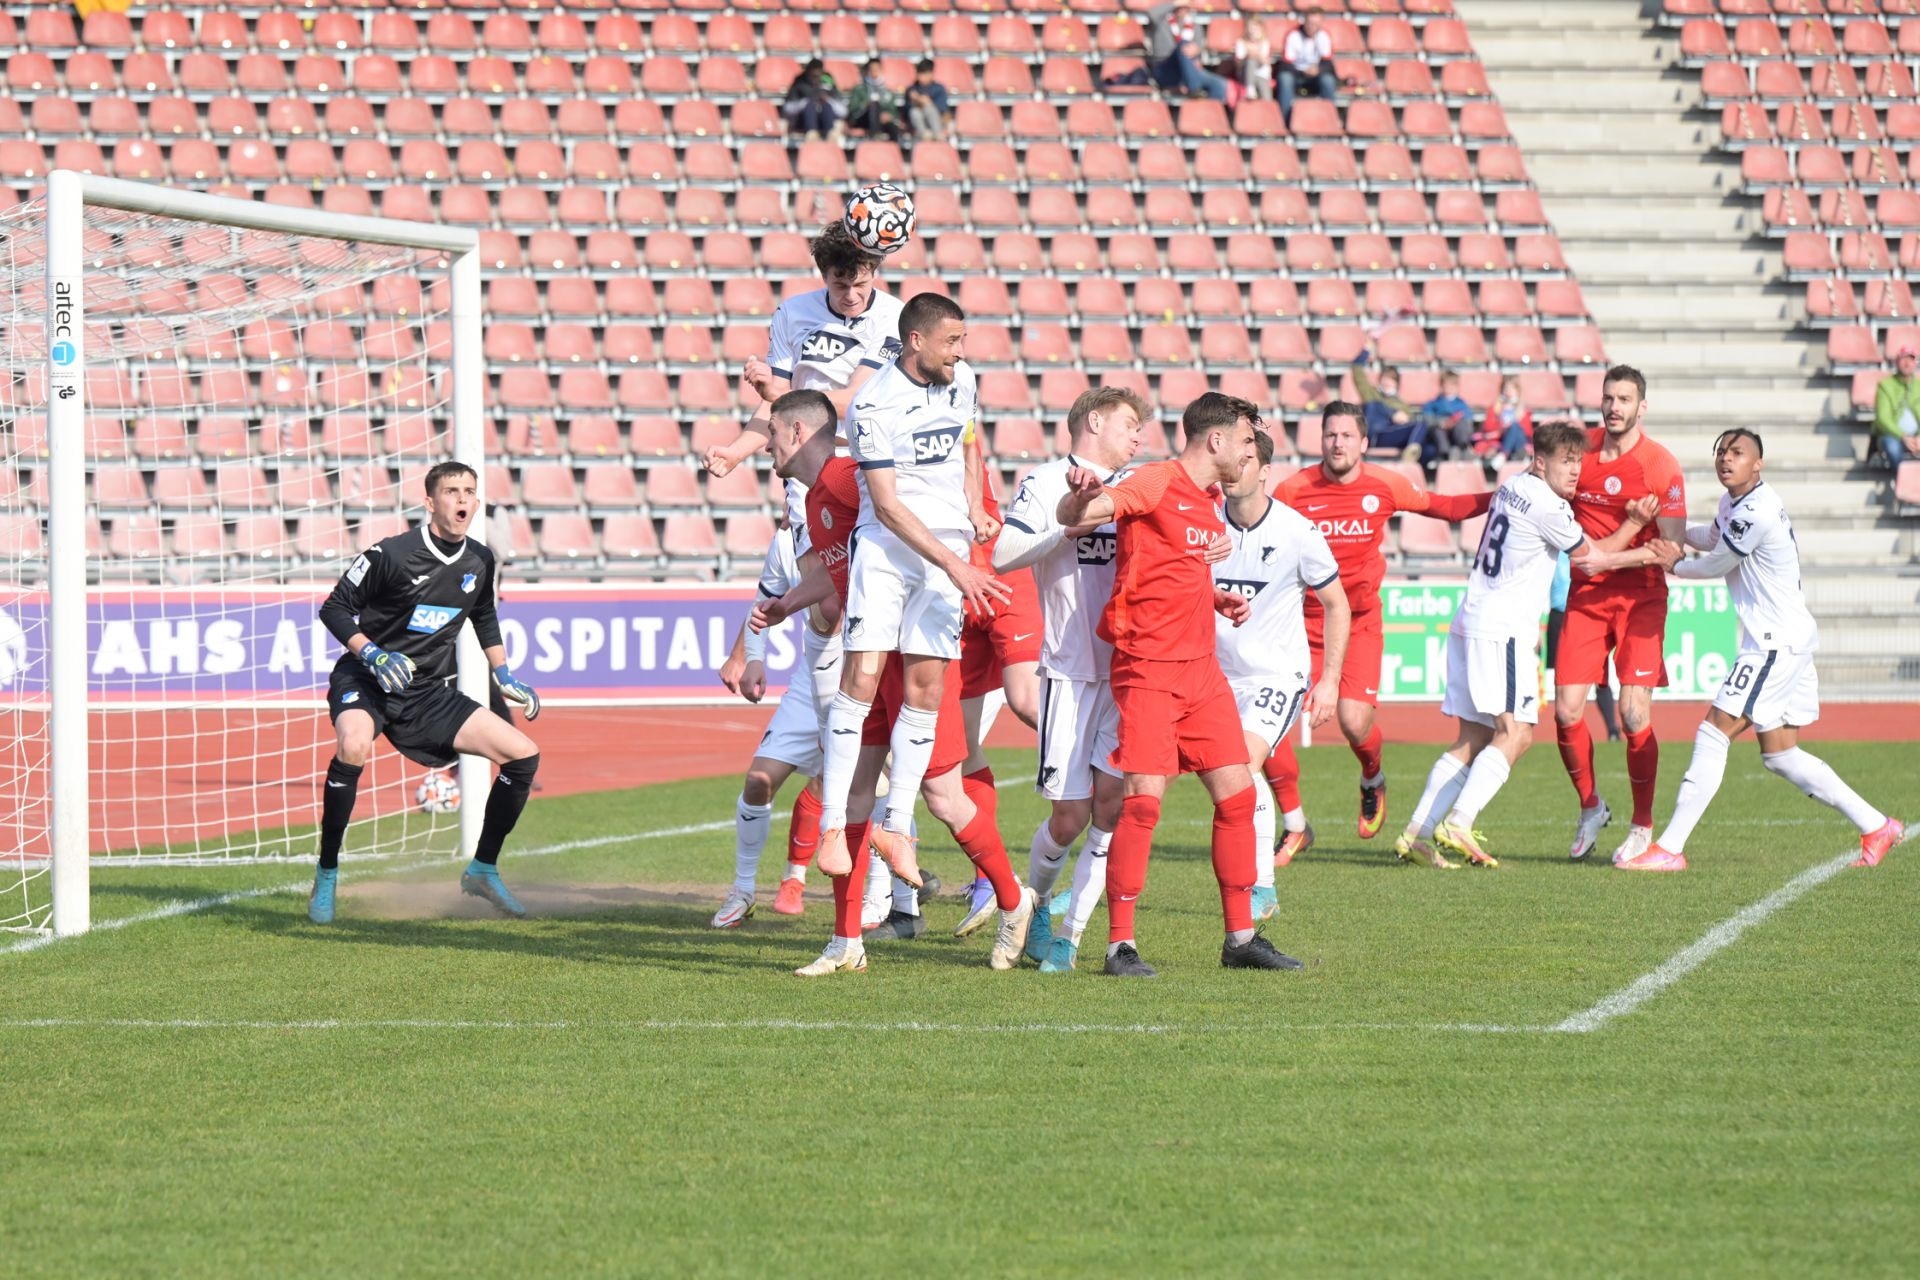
[{"x": 1684, "y": 286}]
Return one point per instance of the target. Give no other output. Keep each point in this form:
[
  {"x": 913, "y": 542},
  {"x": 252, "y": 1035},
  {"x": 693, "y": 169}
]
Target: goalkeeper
[{"x": 398, "y": 609}]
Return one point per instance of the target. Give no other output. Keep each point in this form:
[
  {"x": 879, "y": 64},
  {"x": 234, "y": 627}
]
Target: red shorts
[
  {"x": 1011, "y": 636},
  {"x": 1366, "y": 646},
  {"x": 1175, "y": 717},
  {"x": 1632, "y": 626},
  {"x": 950, "y": 731}
]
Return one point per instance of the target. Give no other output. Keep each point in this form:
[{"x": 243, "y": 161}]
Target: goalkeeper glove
[
  {"x": 514, "y": 689},
  {"x": 394, "y": 671}
]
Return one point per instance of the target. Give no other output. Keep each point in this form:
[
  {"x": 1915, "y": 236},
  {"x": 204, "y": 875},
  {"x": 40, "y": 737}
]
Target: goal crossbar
[{"x": 68, "y": 195}]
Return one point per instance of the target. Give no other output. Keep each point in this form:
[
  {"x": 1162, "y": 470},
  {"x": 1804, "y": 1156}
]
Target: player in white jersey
[
  {"x": 1079, "y": 725},
  {"x": 910, "y": 580},
  {"x": 1493, "y": 662},
  {"x": 830, "y": 340},
  {"x": 1278, "y": 556},
  {"x": 1772, "y": 686},
  {"x": 791, "y": 743}
]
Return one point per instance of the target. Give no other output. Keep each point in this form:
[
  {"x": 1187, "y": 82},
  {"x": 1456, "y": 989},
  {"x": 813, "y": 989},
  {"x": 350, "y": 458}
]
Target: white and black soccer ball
[
  {"x": 880, "y": 218},
  {"x": 438, "y": 792}
]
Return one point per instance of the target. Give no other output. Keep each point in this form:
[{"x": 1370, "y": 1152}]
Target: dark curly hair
[{"x": 835, "y": 249}]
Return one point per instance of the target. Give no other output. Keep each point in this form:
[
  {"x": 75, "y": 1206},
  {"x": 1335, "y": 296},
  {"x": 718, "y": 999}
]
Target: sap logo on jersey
[
  {"x": 429, "y": 618},
  {"x": 824, "y": 348},
  {"x": 1096, "y": 548},
  {"x": 935, "y": 446},
  {"x": 1238, "y": 587}
]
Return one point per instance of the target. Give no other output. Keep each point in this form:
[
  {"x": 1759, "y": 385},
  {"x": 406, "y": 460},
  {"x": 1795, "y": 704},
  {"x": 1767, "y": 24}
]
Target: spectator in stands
[
  {"x": 813, "y": 107},
  {"x": 873, "y": 108},
  {"x": 1173, "y": 53},
  {"x": 1449, "y": 419},
  {"x": 1896, "y": 412},
  {"x": 929, "y": 106},
  {"x": 1254, "y": 52},
  {"x": 1507, "y": 432},
  {"x": 1306, "y": 62},
  {"x": 1392, "y": 423}
]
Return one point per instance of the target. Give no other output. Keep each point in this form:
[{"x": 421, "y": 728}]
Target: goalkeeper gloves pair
[{"x": 395, "y": 671}]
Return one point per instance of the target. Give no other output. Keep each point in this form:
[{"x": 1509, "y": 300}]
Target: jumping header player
[
  {"x": 398, "y": 609},
  {"x": 1622, "y": 613}
]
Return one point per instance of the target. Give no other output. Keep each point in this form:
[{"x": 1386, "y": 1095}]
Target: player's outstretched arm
[
  {"x": 1716, "y": 563},
  {"x": 340, "y": 614},
  {"x": 980, "y": 590},
  {"x": 1702, "y": 537},
  {"x": 1086, "y": 502},
  {"x": 1325, "y": 696},
  {"x": 984, "y": 524},
  {"x": 512, "y": 687},
  {"x": 814, "y": 588}
]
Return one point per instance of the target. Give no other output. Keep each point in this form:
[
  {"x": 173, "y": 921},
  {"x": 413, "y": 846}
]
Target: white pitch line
[
  {"x": 1709, "y": 944},
  {"x": 737, "y": 1024}
]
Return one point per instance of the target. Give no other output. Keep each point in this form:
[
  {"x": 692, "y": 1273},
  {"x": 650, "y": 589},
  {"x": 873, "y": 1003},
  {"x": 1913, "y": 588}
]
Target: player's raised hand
[
  {"x": 1322, "y": 700},
  {"x": 1643, "y": 510},
  {"x": 514, "y": 689},
  {"x": 753, "y": 682},
  {"x": 394, "y": 671},
  {"x": 1219, "y": 549},
  {"x": 1232, "y": 606},
  {"x": 1084, "y": 482},
  {"x": 759, "y": 375},
  {"x": 980, "y": 591}
]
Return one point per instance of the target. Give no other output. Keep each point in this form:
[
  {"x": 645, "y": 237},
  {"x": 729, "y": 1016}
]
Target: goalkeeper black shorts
[{"x": 421, "y": 722}]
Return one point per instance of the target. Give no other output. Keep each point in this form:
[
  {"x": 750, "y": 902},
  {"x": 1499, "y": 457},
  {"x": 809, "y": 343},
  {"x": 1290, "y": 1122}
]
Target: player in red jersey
[
  {"x": 804, "y": 453},
  {"x": 1350, "y": 501},
  {"x": 1177, "y": 712},
  {"x": 1623, "y": 613}
]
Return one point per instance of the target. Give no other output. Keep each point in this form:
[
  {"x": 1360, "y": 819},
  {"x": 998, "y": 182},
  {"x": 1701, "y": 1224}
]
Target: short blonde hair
[{"x": 1104, "y": 400}]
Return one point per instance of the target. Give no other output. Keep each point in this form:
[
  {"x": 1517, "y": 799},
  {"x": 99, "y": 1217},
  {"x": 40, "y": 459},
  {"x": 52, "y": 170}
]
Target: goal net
[{"x": 208, "y": 407}]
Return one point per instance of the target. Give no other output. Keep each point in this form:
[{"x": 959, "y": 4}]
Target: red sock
[
  {"x": 1368, "y": 753},
  {"x": 981, "y": 842},
  {"x": 980, "y": 789},
  {"x": 1643, "y": 771},
  {"x": 803, "y": 832},
  {"x": 1576, "y": 752},
  {"x": 850, "y": 888},
  {"x": 1127, "y": 862},
  {"x": 1233, "y": 864},
  {"x": 1283, "y": 775}
]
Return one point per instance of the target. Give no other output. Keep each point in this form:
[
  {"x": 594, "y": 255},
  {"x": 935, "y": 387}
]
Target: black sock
[
  {"x": 504, "y": 803},
  {"x": 336, "y": 808}
]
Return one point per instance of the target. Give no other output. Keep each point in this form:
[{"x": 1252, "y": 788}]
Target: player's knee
[
  {"x": 1635, "y": 717},
  {"x": 758, "y": 786},
  {"x": 1068, "y": 819},
  {"x": 522, "y": 770},
  {"x": 353, "y": 751},
  {"x": 1781, "y": 762},
  {"x": 1568, "y": 713},
  {"x": 1235, "y": 808}
]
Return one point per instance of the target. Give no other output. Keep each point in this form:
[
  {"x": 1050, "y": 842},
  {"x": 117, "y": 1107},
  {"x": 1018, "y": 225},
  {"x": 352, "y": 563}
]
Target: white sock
[
  {"x": 1697, "y": 789},
  {"x": 1294, "y": 820},
  {"x": 1089, "y": 881},
  {"x": 1444, "y": 781},
  {"x": 1262, "y": 833},
  {"x": 879, "y": 887},
  {"x": 1240, "y": 937},
  {"x": 1816, "y": 777},
  {"x": 839, "y": 946},
  {"x": 1484, "y": 780},
  {"x": 912, "y": 749},
  {"x": 1375, "y": 780},
  {"x": 795, "y": 871},
  {"x": 841, "y": 748},
  {"x": 750, "y": 822},
  {"x": 1115, "y": 946},
  {"x": 1044, "y": 861},
  {"x": 906, "y": 898}
]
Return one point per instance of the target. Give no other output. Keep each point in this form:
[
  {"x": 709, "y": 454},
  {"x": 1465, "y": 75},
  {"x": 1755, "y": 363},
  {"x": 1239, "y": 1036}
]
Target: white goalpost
[{"x": 208, "y": 406}]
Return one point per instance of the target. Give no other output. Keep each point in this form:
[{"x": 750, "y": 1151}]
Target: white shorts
[
  {"x": 1489, "y": 677},
  {"x": 1268, "y": 709},
  {"x": 1771, "y": 687},
  {"x": 822, "y": 656},
  {"x": 1079, "y": 729},
  {"x": 793, "y": 735},
  {"x": 898, "y": 601}
]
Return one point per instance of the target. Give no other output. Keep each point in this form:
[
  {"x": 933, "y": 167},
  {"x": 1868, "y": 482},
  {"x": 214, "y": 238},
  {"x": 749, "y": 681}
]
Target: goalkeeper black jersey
[{"x": 409, "y": 596}]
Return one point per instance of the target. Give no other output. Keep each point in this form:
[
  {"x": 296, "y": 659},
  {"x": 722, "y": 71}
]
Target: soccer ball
[
  {"x": 880, "y": 217},
  {"x": 439, "y": 792}
]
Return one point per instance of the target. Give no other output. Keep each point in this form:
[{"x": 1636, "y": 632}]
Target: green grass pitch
[{"x": 622, "y": 1091}]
